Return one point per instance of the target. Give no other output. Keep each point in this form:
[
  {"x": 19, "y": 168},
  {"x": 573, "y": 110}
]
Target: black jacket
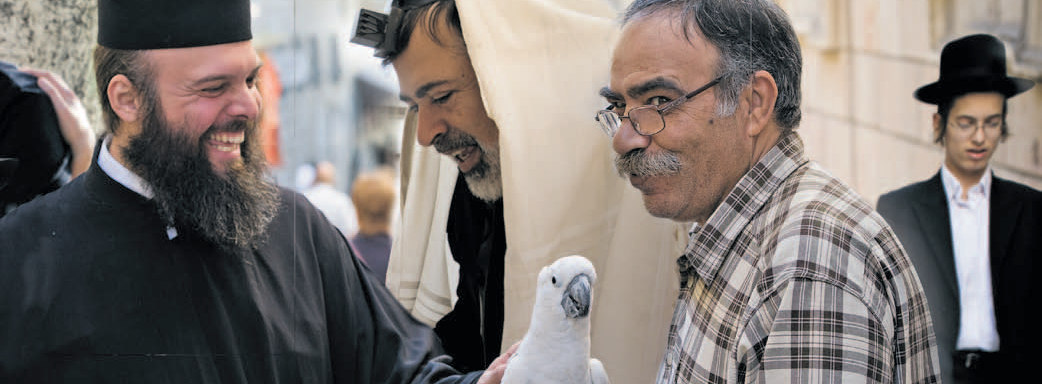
[{"x": 919, "y": 215}]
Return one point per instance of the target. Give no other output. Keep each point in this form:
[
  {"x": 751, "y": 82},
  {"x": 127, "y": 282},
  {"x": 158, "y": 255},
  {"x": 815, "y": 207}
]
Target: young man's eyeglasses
[
  {"x": 967, "y": 126},
  {"x": 646, "y": 120}
]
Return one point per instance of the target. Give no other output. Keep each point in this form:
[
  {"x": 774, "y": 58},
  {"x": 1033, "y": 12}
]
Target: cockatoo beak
[{"x": 576, "y": 300}]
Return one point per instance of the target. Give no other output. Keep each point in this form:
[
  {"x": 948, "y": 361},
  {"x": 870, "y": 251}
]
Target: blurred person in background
[
  {"x": 334, "y": 204},
  {"x": 374, "y": 197},
  {"x": 975, "y": 238},
  {"x": 45, "y": 136},
  {"x": 304, "y": 176}
]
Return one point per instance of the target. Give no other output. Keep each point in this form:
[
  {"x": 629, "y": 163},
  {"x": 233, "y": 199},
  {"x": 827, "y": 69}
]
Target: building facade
[{"x": 864, "y": 59}]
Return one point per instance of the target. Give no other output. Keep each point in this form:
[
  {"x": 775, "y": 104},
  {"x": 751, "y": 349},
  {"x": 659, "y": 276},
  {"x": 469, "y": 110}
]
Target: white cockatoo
[{"x": 556, "y": 348}]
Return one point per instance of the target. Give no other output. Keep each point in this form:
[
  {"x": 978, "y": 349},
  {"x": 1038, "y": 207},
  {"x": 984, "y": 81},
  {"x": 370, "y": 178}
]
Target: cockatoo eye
[{"x": 553, "y": 280}]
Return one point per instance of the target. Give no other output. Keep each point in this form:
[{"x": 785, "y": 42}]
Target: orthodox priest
[{"x": 175, "y": 259}]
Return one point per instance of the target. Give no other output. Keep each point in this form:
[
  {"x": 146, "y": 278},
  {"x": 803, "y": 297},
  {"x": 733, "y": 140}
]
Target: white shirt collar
[
  {"x": 953, "y": 189},
  {"x": 121, "y": 174},
  {"x": 126, "y": 178}
]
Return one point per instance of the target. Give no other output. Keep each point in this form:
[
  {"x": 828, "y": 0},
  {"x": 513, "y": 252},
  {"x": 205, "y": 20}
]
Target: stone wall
[
  {"x": 864, "y": 59},
  {"x": 56, "y": 35}
]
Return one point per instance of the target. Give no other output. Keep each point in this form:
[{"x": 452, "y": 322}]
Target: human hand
[
  {"x": 72, "y": 118},
  {"x": 494, "y": 373}
]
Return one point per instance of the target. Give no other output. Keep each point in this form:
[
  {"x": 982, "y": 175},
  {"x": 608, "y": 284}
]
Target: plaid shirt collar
[{"x": 708, "y": 244}]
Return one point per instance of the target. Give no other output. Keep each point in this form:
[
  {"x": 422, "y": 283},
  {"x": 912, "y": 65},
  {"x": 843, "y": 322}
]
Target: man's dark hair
[
  {"x": 944, "y": 108},
  {"x": 751, "y": 35},
  {"x": 110, "y": 62},
  {"x": 416, "y": 16}
]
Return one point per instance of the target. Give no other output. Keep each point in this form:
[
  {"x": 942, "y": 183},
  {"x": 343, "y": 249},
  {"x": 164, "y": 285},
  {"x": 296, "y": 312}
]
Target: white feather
[{"x": 556, "y": 348}]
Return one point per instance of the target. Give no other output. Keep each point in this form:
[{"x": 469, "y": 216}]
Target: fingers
[
  {"x": 494, "y": 373},
  {"x": 72, "y": 117},
  {"x": 513, "y": 348},
  {"x": 54, "y": 86}
]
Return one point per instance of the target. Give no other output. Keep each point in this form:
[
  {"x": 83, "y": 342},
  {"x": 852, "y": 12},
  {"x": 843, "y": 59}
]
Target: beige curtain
[{"x": 540, "y": 64}]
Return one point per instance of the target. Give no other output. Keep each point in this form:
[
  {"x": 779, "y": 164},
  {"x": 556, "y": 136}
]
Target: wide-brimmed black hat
[
  {"x": 159, "y": 24},
  {"x": 975, "y": 63}
]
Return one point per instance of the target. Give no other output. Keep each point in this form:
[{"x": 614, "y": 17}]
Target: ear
[
  {"x": 937, "y": 127},
  {"x": 124, "y": 98},
  {"x": 760, "y": 95}
]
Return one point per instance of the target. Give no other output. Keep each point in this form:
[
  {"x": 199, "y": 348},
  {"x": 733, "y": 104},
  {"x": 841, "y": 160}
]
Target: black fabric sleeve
[{"x": 373, "y": 339}]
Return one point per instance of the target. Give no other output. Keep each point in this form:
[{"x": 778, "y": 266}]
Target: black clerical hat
[
  {"x": 33, "y": 153},
  {"x": 975, "y": 63},
  {"x": 157, "y": 24}
]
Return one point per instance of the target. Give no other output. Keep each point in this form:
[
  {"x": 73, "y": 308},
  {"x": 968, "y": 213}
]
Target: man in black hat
[
  {"x": 974, "y": 238},
  {"x": 175, "y": 258}
]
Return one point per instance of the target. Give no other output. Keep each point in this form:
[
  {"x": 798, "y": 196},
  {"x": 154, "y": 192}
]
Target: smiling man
[
  {"x": 974, "y": 237},
  {"x": 788, "y": 275},
  {"x": 175, "y": 258},
  {"x": 440, "y": 87}
]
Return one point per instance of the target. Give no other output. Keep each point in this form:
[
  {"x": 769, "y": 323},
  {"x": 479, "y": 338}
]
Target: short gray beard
[
  {"x": 485, "y": 180},
  {"x": 643, "y": 164}
]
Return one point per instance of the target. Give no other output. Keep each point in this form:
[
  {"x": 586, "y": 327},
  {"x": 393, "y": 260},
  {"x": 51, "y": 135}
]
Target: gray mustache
[
  {"x": 640, "y": 163},
  {"x": 453, "y": 140}
]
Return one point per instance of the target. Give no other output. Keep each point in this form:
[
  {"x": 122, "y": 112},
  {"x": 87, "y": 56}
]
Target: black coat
[
  {"x": 472, "y": 332},
  {"x": 93, "y": 291},
  {"x": 919, "y": 215}
]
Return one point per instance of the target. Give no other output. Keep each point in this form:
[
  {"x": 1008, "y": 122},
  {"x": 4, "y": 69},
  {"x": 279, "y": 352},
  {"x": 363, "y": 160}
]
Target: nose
[
  {"x": 429, "y": 125},
  {"x": 246, "y": 103},
  {"x": 627, "y": 139},
  {"x": 978, "y": 135}
]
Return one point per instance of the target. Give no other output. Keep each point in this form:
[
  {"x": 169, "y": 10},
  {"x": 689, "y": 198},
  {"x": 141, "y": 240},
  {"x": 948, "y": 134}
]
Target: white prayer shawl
[{"x": 540, "y": 64}]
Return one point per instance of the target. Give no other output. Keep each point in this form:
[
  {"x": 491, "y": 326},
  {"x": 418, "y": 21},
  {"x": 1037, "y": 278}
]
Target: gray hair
[{"x": 751, "y": 35}]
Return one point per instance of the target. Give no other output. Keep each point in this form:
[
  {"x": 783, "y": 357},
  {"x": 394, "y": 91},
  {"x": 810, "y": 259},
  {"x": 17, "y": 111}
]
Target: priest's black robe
[{"x": 92, "y": 290}]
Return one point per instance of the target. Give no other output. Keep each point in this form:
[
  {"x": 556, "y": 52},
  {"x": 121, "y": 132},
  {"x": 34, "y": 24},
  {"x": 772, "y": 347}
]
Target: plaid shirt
[{"x": 795, "y": 278}]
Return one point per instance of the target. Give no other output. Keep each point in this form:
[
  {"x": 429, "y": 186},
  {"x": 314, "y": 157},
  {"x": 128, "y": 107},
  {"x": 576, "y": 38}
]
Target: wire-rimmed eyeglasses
[{"x": 647, "y": 120}]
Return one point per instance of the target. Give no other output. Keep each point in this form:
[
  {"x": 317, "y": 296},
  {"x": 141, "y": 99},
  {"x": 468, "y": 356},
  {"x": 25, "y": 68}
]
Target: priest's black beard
[{"x": 231, "y": 211}]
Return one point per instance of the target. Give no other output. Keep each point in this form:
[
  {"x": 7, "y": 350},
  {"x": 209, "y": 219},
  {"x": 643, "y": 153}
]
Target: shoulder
[
  {"x": 814, "y": 205},
  {"x": 298, "y": 216},
  {"x": 832, "y": 235},
  {"x": 54, "y": 208},
  {"x": 906, "y": 193},
  {"x": 296, "y": 205},
  {"x": 1018, "y": 190}
]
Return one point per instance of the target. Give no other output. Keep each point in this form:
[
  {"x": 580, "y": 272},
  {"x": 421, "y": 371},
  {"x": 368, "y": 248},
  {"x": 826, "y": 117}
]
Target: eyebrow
[
  {"x": 224, "y": 76},
  {"x": 607, "y": 93},
  {"x": 987, "y": 117},
  {"x": 422, "y": 90},
  {"x": 653, "y": 84}
]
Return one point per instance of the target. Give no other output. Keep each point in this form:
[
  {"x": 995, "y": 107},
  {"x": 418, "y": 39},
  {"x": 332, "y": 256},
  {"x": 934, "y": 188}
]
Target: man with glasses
[
  {"x": 504, "y": 183},
  {"x": 974, "y": 237},
  {"x": 788, "y": 275}
]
